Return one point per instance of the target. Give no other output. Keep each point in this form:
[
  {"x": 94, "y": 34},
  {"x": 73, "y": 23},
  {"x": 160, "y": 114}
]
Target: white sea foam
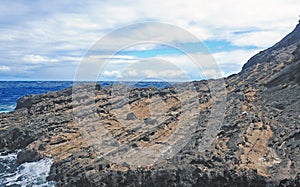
[
  {"x": 27, "y": 174},
  {"x": 6, "y": 108}
]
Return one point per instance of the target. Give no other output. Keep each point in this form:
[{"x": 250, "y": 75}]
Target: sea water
[
  {"x": 11, "y": 91},
  {"x": 26, "y": 174}
]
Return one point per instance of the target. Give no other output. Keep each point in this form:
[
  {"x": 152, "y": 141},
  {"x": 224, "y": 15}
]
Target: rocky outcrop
[
  {"x": 288, "y": 75},
  {"x": 121, "y": 136},
  {"x": 268, "y": 55}
]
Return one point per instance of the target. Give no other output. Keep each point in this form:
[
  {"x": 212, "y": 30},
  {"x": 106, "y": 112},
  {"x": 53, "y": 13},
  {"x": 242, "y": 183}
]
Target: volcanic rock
[{"x": 103, "y": 136}]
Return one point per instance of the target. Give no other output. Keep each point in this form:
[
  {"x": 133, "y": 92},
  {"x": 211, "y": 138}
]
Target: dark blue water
[{"x": 11, "y": 91}]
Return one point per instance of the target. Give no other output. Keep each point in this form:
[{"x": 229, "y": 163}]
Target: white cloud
[
  {"x": 232, "y": 61},
  {"x": 158, "y": 74},
  {"x": 37, "y": 59},
  {"x": 4, "y": 68},
  {"x": 154, "y": 68},
  {"x": 216, "y": 17},
  {"x": 173, "y": 67},
  {"x": 142, "y": 47},
  {"x": 238, "y": 57},
  {"x": 180, "y": 67},
  {"x": 259, "y": 39},
  {"x": 37, "y": 32},
  {"x": 112, "y": 73},
  {"x": 213, "y": 73}
]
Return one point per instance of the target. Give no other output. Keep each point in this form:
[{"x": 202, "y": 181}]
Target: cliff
[{"x": 99, "y": 136}]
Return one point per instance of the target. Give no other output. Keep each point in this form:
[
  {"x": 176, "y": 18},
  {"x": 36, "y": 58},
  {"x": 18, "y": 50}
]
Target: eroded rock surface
[{"x": 257, "y": 144}]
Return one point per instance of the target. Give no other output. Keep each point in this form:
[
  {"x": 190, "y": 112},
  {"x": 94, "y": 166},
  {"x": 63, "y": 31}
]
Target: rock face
[{"x": 257, "y": 143}]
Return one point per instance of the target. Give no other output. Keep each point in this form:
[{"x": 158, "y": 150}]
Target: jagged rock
[
  {"x": 28, "y": 155},
  {"x": 268, "y": 55},
  {"x": 150, "y": 121},
  {"x": 288, "y": 75},
  {"x": 131, "y": 116}
]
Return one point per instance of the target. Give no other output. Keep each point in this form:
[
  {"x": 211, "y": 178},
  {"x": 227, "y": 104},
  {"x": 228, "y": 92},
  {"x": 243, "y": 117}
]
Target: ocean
[
  {"x": 35, "y": 173},
  {"x": 11, "y": 91},
  {"x": 24, "y": 175}
]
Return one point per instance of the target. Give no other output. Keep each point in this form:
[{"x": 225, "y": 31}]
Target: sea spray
[{"x": 26, "y": 174}]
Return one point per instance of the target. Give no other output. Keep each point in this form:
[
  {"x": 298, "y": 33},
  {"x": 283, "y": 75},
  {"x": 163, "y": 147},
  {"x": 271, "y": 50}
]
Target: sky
[{"x": 53, "y": 40}]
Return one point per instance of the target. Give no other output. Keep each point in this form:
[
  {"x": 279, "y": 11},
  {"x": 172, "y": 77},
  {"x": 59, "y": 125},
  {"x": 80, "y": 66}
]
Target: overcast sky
[{"x": 47, "y": 40}]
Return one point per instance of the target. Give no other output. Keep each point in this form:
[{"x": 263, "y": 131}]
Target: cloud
[
  {"x": 259, "y": 39},
  {"x": 155, "y": 69},
  {"x": 112, "y": 73},
  {"x": 232, "y": 61},
  {"x": 238, "y": 57},
  {"x": 213, "y": 73},
  {"x": 41, "y": 34},
  {"x": 183, "y": 67},
  {"x": 37, "y": 59},
  {"x": 4, "y": 68},
  {"x": 190, "y": 66}
]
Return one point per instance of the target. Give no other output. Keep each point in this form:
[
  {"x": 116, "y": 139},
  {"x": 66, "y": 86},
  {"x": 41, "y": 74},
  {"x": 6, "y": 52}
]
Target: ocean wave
[
  {"x": 4, "y": 108},
  {"x": 27, "y": 174}
]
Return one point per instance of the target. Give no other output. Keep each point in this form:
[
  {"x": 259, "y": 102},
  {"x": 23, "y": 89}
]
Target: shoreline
[{"x": 246, "y": 134}]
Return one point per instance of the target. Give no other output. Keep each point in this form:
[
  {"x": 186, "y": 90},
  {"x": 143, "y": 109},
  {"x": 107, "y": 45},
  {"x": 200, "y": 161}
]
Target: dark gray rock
[
  {"x": 150, "y": 121},
  {"x": 267, "y": 55},
  {"x": 288, "y": 75},
  {"x": 130, "y": 116},
  {"x": 30, "y": 155}
]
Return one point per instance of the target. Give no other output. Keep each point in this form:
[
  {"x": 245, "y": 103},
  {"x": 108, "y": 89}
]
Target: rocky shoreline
[{"x": 256, "y": 144}]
